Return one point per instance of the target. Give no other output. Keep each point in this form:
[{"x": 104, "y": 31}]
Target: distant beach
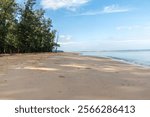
[{"x": 71, "y": 76}]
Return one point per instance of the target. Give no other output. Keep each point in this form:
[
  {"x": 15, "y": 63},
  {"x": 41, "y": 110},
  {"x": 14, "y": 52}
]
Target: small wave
[
  {"x": 141, "y": 58},
  {"x": 130, "y": 61}
]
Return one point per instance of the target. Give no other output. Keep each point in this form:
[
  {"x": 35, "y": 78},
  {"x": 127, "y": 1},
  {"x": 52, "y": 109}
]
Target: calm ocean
[{"x": 139, "y": 57}]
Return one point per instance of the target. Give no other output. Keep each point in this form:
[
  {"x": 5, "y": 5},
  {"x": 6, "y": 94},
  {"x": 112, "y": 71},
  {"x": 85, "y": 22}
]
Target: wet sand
[{"x": 70, "y": 76}]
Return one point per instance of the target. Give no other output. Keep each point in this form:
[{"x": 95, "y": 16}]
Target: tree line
[{"x": 24, "y": 29}]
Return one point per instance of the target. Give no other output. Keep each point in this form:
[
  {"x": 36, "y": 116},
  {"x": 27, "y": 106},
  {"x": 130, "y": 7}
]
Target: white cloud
[
  {"x": 128, "y": 27},
  {"x": 66, "y": 40},
  {"x": 134, "y": 27},
  {"x": 57, "y": 4},
  {"x": 90, "y": 13},
  {"x": 114, "y": 9},
  {"x": 105, "y": 10}
]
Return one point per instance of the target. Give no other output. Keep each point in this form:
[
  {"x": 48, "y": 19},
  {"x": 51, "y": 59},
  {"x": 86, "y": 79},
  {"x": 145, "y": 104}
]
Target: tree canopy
[{"x": 24, "y": 29}]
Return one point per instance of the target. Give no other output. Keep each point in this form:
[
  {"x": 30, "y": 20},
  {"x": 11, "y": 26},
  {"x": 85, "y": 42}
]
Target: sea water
[{"x": 139, "y": 57}]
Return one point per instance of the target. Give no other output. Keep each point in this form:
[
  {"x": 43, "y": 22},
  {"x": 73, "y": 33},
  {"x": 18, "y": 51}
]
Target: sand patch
[
  {"x": 39, "y": 68},
  {"x": 75, "y": 66}
]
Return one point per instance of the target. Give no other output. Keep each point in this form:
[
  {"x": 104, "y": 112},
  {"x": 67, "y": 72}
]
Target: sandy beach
[{"x": 70, "y": 76}]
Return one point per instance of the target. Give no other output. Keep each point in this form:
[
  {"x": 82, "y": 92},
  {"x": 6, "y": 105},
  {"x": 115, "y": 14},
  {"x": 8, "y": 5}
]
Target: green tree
[
  {"x": 24, "y": 29},
  {"x": 35, "y": 32},
  {"x": 25, "y": 26},
  {"x": 7, "y": 16},
  {"x": 11, "y": 41}
]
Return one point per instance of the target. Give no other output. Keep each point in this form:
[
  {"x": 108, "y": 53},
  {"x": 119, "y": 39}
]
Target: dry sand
[{"x": 70, "y": 76}]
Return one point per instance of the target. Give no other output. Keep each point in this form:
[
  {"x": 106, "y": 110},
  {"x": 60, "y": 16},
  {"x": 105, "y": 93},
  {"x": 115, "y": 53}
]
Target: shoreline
[
  {"x": 124, "y": 61},
  {"x": 120, "y": 60},
  {"x": 71, "y": 76}
]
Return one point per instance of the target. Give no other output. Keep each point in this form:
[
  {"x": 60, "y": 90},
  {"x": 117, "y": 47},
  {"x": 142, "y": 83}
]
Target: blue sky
[{"x": 100, "y": 24}]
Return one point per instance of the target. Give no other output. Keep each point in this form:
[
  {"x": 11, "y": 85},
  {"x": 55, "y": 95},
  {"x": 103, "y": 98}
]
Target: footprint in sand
[
  {"x": 61, "y": 76},
  {"x": 3, "y": 81},
  {"x": 59, "y": 91},
  {"x": 126, "y": 84},
  {"x": 57, "y": 63},
  {"x": 88, "y": 68}
]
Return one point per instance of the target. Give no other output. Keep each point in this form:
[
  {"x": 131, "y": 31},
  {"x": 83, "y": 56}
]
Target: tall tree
[
  {"x": 28, "y": 31},
  {"x": 35, "y": 32},
  {"x": 7, "y": 16},
  {"x": 25, "y": 26}
]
